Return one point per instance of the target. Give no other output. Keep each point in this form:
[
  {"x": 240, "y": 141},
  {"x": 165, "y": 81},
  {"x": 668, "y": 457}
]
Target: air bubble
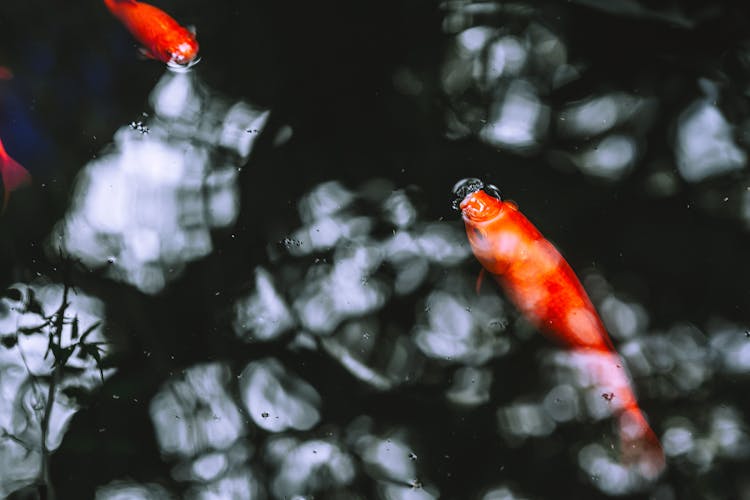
[
  {"x": 464, "y": 188},
  {"x": 493, "y": 191}
]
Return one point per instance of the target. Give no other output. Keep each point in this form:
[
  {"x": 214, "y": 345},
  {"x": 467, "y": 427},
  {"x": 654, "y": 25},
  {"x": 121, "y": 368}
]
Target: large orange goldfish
[
  {"x": 161, "y": 36},
  {"x": 12, "y": 173},
  {"x": 541, "y": 284}
]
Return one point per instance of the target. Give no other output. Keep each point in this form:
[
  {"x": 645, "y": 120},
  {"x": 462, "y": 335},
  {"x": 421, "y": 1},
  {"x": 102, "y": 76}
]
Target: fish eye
[{"x": 493, "y": 191}]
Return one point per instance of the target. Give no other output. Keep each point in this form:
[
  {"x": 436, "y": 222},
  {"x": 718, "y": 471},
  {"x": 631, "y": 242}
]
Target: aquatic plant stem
[{"x": 47, "y": 491}]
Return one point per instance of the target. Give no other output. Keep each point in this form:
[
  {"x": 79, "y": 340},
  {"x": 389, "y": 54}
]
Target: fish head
[
  {"x": 178, "y": 47},
  {"x": 185, "y": 52},
  {"x": 482, "y": 211},
  {"x": 476, "y": 201}
]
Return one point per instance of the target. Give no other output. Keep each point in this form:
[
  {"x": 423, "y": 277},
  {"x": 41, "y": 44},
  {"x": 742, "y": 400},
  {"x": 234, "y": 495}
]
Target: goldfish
[
  {"x": 161, "y": 36},
  {"x": 12, "y": 173},
  {"x": 544, "y": 288}
]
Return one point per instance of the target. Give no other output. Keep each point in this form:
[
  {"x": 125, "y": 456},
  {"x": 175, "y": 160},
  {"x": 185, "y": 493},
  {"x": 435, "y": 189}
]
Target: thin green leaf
[
  {"x": 28, "y": 330},
  {"x": 61, "y": 353},
  {"x": 93, "y": 350},
  {"x": 74, "y": 333},
  {"x": 32, "y": 304},
  {"x": 89, "y": 330}
]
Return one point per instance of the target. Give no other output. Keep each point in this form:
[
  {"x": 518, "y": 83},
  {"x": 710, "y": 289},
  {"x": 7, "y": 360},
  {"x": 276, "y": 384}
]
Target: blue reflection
[
  {"x": 470, "y": 387},
  {"x": 463, "y": 331},
  {"x": 277, "y": 400},
  {"x": 511, "y": 72},
  {"x": 518, "y": 121},
  {"x": 611, "y": 158},
  {"x": 126, "y": 490},
  {"x": 312, "y": 466},
  {"x": 194, "y": 413},
  {"x": 263, "y": 315},
  {"x": 704, "y": 145},
  {"x": 598, "y": 114},
  {"x": 146, "y": 206},
  {"x": 521, "y": 420},
  {"x": 724, "y": 436},
  {"x": 607, "y": 473},
  {"x": 498, "y": 81},
  {"x": 732, "y": 347},
  {"x": 389, "y": 458},
  {"x": 200, "y": 426},
  {"x": 413, "y": 491},
  {"x": 623, "y": 319},
  {"x": 502, "y": 493}
]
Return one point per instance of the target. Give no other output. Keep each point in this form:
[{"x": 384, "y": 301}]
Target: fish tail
[
  {"x": 13, "y": 175},
  {"x": 639, "y": 445}
]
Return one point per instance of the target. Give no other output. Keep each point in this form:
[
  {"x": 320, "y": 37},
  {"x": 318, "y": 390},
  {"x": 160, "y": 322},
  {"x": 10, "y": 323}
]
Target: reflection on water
[
  {"x": 124, "y": 490},
  {"x": 611, "y": 158},
  {"x": 263, "y": 315},
  {"x": 518, "y": 121},
  {"x": 596, "y": 115},
  {"x": 330, "y": 287},
  {"x": 342, "y": 274},
  {"x": 145, "y": 206},
  {"x": 365, "y": 293},
  {"x": 356, "y": 271},
  {"x": 194, "y": 412},
  {"x": 730, "y": 342},
  {"x": 515, "y": 73},
  {"x": 469, "y": 331},
  {"x": 32, "y": 378},
  {"x": 499, "y": 80},
  {"x": 705, "y": 146},
  {"x": 471, "y": 386},
  {"x": 276, "y": 400},
  {"x": 502, "y": 493},
  {"x": 260, "y": 429},
  {"x": 311, "y": 466},
  {"x": 504, "y": 75},
  {"x": 389, "y": 458},
  {"x": 199, "y": 423},
  {"x": 724, "y": 436}
]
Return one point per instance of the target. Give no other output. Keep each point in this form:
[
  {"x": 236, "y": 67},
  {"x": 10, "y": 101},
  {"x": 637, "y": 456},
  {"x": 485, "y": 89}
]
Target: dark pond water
[{"x": 245, "y": 279}]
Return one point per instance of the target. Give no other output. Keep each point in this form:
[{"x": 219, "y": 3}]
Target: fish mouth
[
  {"x": 479, "y": 207},
  {"x": 182, "y": 64},
  {"x": 476, "y": 200}
]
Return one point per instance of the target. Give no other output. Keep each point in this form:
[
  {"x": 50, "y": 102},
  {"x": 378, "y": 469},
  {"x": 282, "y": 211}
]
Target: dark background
[{"x": 326, "y": 69}]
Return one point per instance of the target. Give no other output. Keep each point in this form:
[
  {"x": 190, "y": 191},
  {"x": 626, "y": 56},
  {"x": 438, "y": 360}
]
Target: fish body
[
  {"x": 543, "y": 286},
  {"x": 12, "y": 173},
  {"x": 161, "y": 36}
]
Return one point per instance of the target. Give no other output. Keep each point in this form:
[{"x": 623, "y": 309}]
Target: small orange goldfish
[
  {"x": 161, "y": 36},
  {"x": 12, "y": 173},
  {"x": 543, "y": 286}
]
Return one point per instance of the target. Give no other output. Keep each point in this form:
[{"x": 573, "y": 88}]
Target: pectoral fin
[
  {"x": 145, "y": 53},
  {"x": 480, "y": 278}
]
